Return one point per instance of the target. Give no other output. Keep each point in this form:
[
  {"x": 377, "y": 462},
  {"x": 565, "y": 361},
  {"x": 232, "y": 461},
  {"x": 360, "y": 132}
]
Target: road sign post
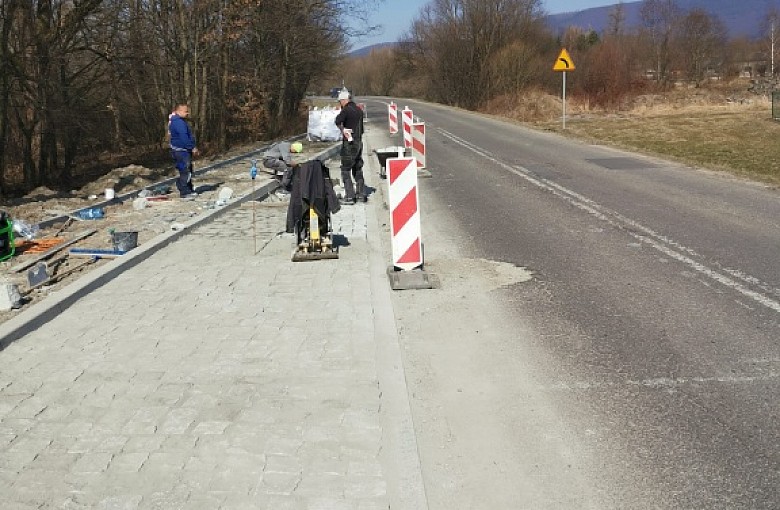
[
  {"x": 563, "y": 64},
  {"x": 564, "y": 100}
]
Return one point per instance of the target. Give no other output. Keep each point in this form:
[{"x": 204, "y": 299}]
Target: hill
[
  {"x": 741, "y": 18},
  {"x": 366, "y": 50}
]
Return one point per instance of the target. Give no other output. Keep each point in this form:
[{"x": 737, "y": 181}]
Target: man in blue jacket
[{"x": 182, "y": 149}]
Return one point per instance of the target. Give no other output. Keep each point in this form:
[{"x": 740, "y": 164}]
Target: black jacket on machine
[{"x": 311, "y": 185}]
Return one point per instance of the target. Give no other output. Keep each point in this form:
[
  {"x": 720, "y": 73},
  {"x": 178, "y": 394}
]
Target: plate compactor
[
  {"x": 314, "y": 240},
  {"x": 312, "y": 201}
]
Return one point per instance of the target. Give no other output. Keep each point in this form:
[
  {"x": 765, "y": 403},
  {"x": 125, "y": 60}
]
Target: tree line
[
  {"x": 468, "y": 52},
  {"x": 82, "y": 78}
]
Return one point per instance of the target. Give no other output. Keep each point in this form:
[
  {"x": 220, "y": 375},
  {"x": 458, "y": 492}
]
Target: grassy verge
[{"x": 739, "y": 138}]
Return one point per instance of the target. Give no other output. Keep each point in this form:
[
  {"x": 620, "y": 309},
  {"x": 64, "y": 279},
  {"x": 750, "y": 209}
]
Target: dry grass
[{"x": 720, "y": 129}]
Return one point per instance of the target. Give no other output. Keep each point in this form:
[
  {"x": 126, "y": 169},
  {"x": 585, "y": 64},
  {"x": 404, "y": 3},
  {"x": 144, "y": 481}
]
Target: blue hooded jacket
[{"x": 182, "y": 138}]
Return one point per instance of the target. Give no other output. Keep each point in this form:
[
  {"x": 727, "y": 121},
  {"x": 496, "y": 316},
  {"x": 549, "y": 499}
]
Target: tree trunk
[
  {"x": 8, "y": 12},
  {"x": 282, "y": 91},
  {"x": 222, "y": 115}
]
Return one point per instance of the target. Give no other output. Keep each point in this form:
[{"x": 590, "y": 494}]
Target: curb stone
[
  {"x": 34, "y": 317},
  {"x": 31, "y": 319}
]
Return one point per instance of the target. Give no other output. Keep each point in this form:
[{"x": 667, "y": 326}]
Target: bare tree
[
  {"x": 459, "y": 38},
  {"x": 8, "y": 70},
  {"x": 617, "y": 20},
  {"x": 701, "y": 41},
  {"x": 659, "y": 18},
  {"x": 82, "y": 76}
]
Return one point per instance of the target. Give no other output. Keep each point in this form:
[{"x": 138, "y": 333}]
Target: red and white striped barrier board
[
  {"x": 418, "y": 143},
  {"x": 405, "y": 213},
  {"x": 406, "y": 120},
  {"x": 392, "y": 115}
]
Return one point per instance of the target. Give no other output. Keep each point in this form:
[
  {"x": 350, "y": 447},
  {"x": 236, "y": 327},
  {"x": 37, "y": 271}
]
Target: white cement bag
[{"x": 322, "y": 126}]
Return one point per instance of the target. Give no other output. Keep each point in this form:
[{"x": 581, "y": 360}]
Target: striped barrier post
[
  {"x": 406, "y": 120},
  {"x": 418, "y": 143},
  {"x": 392, "y": 115},
  {"x": 405, "y": 214}
]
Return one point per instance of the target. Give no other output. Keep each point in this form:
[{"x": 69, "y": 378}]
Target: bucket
[
  {"x": 110, "y": 194},
  {"x": 124, "y": 241}
]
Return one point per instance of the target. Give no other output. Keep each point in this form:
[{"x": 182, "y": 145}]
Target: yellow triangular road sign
[{"x": 564, "y": 62}]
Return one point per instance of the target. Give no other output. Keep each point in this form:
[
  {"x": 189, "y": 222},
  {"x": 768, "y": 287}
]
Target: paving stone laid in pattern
[{"x": 207, "y": 376}]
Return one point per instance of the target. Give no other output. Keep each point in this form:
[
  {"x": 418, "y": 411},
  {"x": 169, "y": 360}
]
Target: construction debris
[
  {"x": 139, "y": 206},
  {"x": 52, "y": 251}
]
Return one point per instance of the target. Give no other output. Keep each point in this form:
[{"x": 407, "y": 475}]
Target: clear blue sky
[{"x": 396, "y": 16}]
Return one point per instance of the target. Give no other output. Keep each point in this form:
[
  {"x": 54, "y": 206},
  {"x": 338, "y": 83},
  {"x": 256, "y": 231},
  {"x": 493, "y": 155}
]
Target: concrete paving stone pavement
[{"x": 208, "y": 376}]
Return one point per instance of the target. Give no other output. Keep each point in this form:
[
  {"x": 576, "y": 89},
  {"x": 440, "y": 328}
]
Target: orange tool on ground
[{"x": 37, "y": 245}]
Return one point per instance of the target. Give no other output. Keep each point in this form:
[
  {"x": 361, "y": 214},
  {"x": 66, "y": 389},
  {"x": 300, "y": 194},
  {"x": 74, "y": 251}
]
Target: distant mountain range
[
  {"x": 741, "y": 17},
  {"x": 366, "y": 50}
]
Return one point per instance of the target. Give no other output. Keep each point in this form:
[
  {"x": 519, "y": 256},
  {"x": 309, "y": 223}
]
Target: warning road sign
[{"x": 564, "y": 62}]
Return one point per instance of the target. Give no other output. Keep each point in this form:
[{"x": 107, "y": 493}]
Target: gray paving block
[
  {"x": 92, "y": 463},
  {"x": 127, "y": 462},
  {"x": 259, "y": 399}
]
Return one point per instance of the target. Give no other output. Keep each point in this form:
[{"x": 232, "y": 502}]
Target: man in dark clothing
[
  {"x": 182, "y": 149},
  {"x": 350, "y": 122}
]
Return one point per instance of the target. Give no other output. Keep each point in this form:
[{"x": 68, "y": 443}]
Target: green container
[{"x": 7, "y": 245}]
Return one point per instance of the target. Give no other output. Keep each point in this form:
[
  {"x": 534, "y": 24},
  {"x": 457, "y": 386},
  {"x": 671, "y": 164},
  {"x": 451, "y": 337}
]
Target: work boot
[
  {"x": 360, "y": 191},
  {"x": 348, "y": 201}
]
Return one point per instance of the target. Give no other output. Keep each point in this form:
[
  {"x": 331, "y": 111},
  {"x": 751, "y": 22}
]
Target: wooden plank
[{"x": 43, "y": 256}]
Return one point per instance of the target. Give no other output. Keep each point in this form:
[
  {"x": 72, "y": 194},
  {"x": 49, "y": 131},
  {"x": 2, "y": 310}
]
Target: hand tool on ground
[{"x": 65, "y": 225}]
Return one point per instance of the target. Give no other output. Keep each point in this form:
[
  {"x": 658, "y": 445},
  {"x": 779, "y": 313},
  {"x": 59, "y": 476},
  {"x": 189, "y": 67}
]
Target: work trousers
[
  {"x": 183, "y": 163},
  {"x": 352, "y": 166},
  {"x": 276, "y": 165}
]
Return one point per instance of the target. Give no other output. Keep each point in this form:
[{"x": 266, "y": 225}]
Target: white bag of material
[{"x": 322, "y": 126}]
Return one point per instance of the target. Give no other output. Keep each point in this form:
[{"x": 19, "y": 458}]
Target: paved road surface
[{"x": 639, "y": 368}]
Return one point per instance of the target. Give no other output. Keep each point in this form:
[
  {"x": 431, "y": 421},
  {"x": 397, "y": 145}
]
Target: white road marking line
[
  {"x": 663, "y": 244},
  {"x": 664, "y": 382}
]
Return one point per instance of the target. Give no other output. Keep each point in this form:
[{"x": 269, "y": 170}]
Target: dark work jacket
[
  {"x": 311, "y": 185},
  {"x": 351, "y": 117}
]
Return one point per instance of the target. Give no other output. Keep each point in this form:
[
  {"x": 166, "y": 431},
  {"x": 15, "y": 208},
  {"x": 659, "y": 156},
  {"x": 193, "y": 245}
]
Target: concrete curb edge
[
  {"x": 407, "y": 488},
  {"x": 31, "y": 319}
]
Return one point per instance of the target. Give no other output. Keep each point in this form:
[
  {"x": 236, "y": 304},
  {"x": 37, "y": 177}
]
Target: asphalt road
[{"x": 647, "y": 338}]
